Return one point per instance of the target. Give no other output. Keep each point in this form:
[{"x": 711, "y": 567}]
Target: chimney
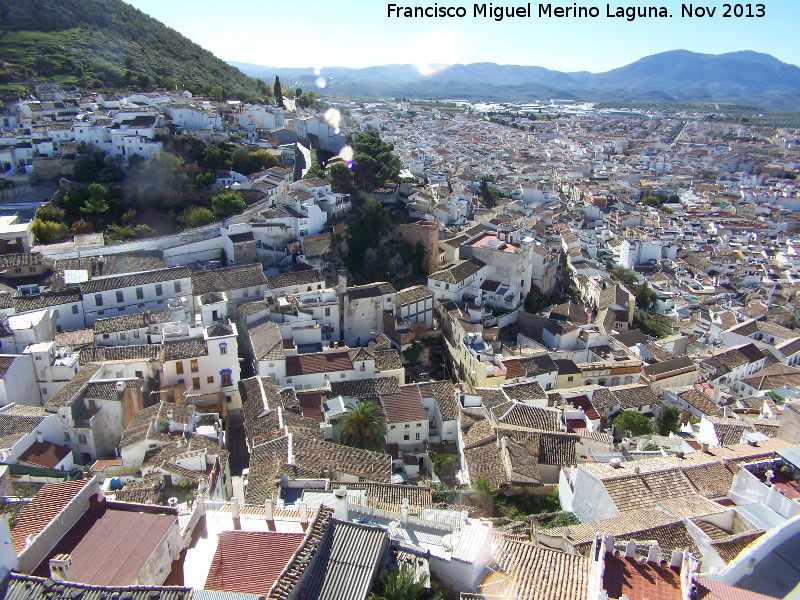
[
  {"x": 61, "y": 567},
  {"x": 342, "y": 285},
  {"x": 654, "y": 556},
  {"x": 704, "y": 447},
  {"x": 290, "y": 458},
  {"x": 464, "y": 519},
  {"x": 404, "y": 511},
  {"x": 39, "y": 437},
  {"x": 268, "y": 510},
  {"x": 340, "y": 504},
  {"x": 636, "y": 469},
  {"x": 302, "y": 508},
  {"x": 237, "y": 524}
]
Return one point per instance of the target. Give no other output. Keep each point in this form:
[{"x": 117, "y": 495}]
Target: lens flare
[
  {"x": 333, "y": 117},
  {"x": 321, "y": 83},
  {"x": 346, "y": 154},
  {"x": 317, "y": 71},
  {"x": 350, "y": 164}
]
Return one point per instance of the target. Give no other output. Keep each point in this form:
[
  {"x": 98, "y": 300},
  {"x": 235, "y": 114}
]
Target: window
[
  {"x": 31, "y": 269},
  {"x": 177, "y": 287},
  {"x": 193, "y": 365},
  {"x": 210, "y": 379},
  {"x": 120, "y": 297},
  {"x": 106, "y": 336},
  {"x": 74, "y": 309},
  {"x": 570, "y": 378},
  {"x": 363, "y": 367},
  {"x": 223, "y": 349},
  {"x": 195, "y": 383},
  {"x": 98, "y": 299},
  {"x": 419, "y": 424},
  {"x": 159, "y": 290},
  {"x": 181, "y": 382},
  {"x": 179, "y": 368},
  {"x": 391, "y": 426},
  {"x": 406, "y": 437},
  {"x": 226, "y": 378},
  {"x": 66, "y": 437},
  {"x": 82, "y": 438},
  {"x": 327, "y": 311},
  {"x": 136, "y": 334},
  {"x": 121, "y": 309},
  {"x": 406, "y": 426},
  {"x": 44, "y": 390},
  {"x": 139, "y": 374},
  {"x": 56, "y": 314},
  {"x": 139, "y": 293},
  {"x": 245, "y": 293},
  {"x": 417, "y": 436},
  {"x": 341, "y": 376},
  {"x": 122, "y": 335},
  {"x": 101, "y": 312},
  {"x": 288, "y": 380}
]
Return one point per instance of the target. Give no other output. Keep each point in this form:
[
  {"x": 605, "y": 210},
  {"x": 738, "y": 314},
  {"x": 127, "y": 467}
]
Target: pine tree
[{"x": 278, "y": 91}]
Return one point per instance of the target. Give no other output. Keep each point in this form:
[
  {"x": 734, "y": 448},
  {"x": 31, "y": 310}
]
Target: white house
[{"x": 114, "y": 296}]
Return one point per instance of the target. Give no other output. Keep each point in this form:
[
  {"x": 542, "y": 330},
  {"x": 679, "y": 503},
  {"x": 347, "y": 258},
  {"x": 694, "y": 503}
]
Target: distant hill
[
  {"x": 105, "y": 44},
  {"x": 675, "y": 76}
]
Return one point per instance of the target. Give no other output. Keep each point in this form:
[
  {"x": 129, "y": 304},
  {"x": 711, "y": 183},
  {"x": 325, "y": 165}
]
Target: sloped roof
[
  {"x": 227, "y": 279},
  {"x": 346, "y": 563},
  {"x": 43, "y": 509},
  {"x": 533, "y": 573},
  {"x": 251, "y": 561}
]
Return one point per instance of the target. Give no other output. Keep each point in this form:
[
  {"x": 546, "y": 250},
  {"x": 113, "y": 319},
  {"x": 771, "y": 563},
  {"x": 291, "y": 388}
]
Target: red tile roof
[
  {"x": 110, "y": 545},
  {"x": 711, "y": 590},
  {"x": 513, "y": 368},
  {"x": 322, "y": 362},
  {"x": 44, "y": 507},
  {"x": 637, "y": 579},
  {"x": 99, "y": 465},
  {"x": 250, "y": 561},
  {"x": 44, "y": 454}
]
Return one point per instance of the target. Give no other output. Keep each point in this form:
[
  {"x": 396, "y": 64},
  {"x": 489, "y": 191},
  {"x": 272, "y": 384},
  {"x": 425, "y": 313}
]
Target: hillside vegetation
[{"x": 106, "y": 44}]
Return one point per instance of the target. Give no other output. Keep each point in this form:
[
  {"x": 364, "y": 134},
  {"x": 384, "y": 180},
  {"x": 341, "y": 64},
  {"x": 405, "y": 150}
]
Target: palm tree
[
  {"x": 363, "y": 427},
  {"x": 400, "y": 585}
]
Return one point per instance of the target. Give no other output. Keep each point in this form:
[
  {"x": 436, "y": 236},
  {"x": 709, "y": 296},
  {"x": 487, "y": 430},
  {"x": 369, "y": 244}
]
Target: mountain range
[
  {"x": 106, "y": 44},
  {"x": 676, "y": 76}
]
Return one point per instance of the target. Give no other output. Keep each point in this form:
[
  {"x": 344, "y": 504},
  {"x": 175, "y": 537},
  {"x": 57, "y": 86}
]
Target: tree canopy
[
  {"x": 363, "y": 426},
  {"x": 668, "y": 420},
  {"x": 227, "y": 204},
  {"x": 374, "y": 160},
  {"x": 635, "y": 423},
  {"x": 277, "y": 91}
]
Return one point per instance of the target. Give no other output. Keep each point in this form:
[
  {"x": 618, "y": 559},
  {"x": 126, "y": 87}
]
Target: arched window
[
  {"x": 223, "y": 348},
  {"x": 225, "y": 377}
]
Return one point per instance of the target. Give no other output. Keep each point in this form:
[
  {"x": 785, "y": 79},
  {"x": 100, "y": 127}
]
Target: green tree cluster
[
  {"x": 49, "y": 232},
  {"x": 362, "y": 426},
  {"x": 635, "y": 423},
  {"x": 374, "y": 160},
  {"x": 404, "y": 585},
  {"x": 197, "y": 216},
  {"x": 277, "y": 91},
  {"x": 489, "y": 195},
  {"x": 227, "y": 204},
  {"x": 646, "y": 297},
  {"x": 247, "y": 163},
  {"x": 668, "y": 420}
]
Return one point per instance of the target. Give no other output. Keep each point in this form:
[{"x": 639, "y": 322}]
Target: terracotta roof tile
[
  {"x": 251, "y": 561},
  {"x": 44, "y": 507}
]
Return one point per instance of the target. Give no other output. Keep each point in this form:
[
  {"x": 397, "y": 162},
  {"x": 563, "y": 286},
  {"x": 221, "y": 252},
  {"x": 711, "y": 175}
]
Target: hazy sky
[{"x": 358, "y": 33}]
